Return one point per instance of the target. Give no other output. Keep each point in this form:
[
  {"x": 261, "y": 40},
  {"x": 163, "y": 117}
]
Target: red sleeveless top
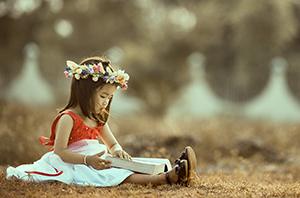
[{"x": 79, "y": 131}]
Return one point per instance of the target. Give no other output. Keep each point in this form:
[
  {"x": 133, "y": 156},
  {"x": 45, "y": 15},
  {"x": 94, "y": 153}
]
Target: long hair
[{"x": 83, "y": 92}]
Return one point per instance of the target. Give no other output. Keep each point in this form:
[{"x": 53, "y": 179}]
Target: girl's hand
[
  {"x": 97, "y": 163},
  {"x": 122, "y": 154}
]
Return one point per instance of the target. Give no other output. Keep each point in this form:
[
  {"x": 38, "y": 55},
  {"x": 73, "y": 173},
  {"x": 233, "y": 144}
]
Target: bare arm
[
  {"x": 111, "y": 142},
  {"x": 63, "y": 131},
  {"x": 107, "y": 137}
]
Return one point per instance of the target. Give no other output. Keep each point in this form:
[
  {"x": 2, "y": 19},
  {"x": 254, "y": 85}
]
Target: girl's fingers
[
  {"x": 103, "y": 165},
  {"x": 118, "y": 154},
  {"x": 122, "y": 155},
  {"x": 107, "y": 162},
  {"x": 107, "y": 165},
  {"x": 126, "y": 156}
]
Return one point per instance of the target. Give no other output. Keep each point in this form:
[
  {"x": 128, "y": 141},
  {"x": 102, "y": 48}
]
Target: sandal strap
[
  {"x": 183, "y": 156},
  {"x": 182, "y": 172}
]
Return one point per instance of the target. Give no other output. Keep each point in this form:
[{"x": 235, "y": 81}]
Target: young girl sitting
[{"x": 77, "y": 157}]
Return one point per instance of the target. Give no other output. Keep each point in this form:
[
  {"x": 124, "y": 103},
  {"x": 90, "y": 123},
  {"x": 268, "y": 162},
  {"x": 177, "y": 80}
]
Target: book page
[{"x": 141, "y": 165}]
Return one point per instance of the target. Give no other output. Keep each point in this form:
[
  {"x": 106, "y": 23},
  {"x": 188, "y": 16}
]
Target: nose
[{"x": 104, "y": 103}]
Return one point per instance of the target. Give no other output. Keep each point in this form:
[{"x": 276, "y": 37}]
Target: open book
[{"x": 150, "y": 166}]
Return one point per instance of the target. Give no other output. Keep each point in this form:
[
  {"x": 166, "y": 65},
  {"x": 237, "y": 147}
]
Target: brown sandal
[
  {"x": 189, "y": 155},
  {"x": 181, "y": 170}
]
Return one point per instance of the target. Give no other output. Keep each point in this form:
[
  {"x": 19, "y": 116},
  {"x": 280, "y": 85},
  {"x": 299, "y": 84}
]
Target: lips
[
  {"x": 99, "y": 108},
  {"x": 102, "y": 109}
]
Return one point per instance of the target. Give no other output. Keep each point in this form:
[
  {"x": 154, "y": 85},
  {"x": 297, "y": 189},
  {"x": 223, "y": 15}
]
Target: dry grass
[
  {"x": 236, "y": 158},
  {"x": 234, "y": 184}
]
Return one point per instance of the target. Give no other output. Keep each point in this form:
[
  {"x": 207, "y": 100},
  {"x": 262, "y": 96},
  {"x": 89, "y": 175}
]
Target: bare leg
[
  {"x": 151, "y": 179},
  {"x": 146, "y": 179}
]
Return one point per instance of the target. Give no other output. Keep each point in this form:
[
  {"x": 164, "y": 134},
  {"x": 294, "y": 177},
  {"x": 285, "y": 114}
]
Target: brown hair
[{"x": 83, "y": 91}]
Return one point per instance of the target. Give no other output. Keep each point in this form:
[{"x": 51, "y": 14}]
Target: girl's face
[{"x": 102, "y": 97}]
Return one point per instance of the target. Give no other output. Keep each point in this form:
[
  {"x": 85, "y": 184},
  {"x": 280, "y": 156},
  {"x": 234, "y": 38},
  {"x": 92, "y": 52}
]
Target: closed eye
[{"x": 110, "y": 97}]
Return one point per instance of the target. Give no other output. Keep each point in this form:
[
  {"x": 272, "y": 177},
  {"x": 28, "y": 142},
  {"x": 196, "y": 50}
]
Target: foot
[
  {"x": 179, "y": 174},
  {"x": 189, "y": 155}
]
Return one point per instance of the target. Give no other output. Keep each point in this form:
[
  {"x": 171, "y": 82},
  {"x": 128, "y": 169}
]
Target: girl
[{"x": 77, "y": 157}]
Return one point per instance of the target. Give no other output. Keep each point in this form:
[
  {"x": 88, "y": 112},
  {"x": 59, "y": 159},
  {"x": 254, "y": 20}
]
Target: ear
[{"x": 72, "y": 64}]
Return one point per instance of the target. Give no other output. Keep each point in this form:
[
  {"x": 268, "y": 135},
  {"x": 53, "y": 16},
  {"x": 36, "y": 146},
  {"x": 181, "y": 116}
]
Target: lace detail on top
[{"x": 79, "y": 131}]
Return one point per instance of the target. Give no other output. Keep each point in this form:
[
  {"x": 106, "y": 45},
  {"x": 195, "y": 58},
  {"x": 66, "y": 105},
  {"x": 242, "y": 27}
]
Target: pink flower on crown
[
  {"x": 101, "y": 68},
  {"x": 96, "y": 68},
  {"x": 66, "y": 74},
  {"x": 124, "y": 86}
]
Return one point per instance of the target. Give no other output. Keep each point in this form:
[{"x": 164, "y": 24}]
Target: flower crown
[{"x": 96, "y": 71}]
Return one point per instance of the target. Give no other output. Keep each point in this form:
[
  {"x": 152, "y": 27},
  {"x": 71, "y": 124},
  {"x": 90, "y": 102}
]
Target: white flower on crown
[
  {"x": 95, "y": 78},
  {"x": 121, "y": 76},
  {"x": 72, "y": 65}
]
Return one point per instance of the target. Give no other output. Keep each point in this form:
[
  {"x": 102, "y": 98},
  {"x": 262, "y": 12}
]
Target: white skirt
[{"x": 52, "y": 168}]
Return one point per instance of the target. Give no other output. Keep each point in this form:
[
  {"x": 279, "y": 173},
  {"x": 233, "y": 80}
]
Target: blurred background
[{"x": 222, "y": 76}]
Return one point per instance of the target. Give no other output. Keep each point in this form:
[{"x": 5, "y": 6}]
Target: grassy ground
[
  {"x": 236, "y": 157},
  {"x": 217, "y": 184}
]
